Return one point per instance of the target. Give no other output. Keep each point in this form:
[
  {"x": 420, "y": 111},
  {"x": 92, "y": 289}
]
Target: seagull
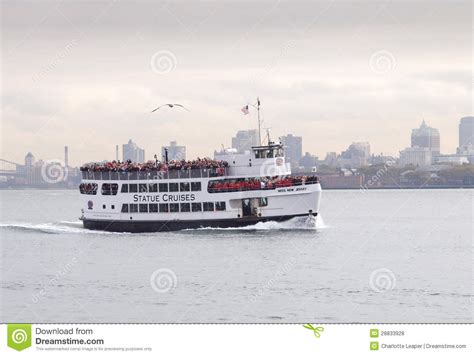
[{"x": 171, "y": 106}]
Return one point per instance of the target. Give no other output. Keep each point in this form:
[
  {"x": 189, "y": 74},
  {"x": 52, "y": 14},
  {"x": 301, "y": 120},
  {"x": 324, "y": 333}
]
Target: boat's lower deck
[{"x": 174, "y": 225}]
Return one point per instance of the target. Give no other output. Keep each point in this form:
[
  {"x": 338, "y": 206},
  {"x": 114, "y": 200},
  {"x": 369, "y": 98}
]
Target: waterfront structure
[
  {"x": 426, "y": 137},
  {"x": 381, "y": 159},
  {"x": 130, "y": 151},
  {"x": 244, "y": 140},
  {"x": 417, "y": 156},
  {"x": 455, "y": 159},
  {"x": 174, "y": 151}
]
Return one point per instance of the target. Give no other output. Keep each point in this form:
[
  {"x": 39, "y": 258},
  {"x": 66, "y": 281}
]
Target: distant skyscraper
[
  {"x": 466, "y": 132},
  {"x": 244, "y": 140},
  {"x": 66, "y": 156},
  {"x": 331, "y": 159},
  {"x": 132, "y": 152},
  {"x": 116, "y": 152},
  {"x": 357, "y": 155},
  {"x": 309, "y": 160},
  {"x": 293, "y": 148},
  {"x": 426, "y": 136},
  {"x": 174, "y": 151},
  {"x": 29, "y": 160}
]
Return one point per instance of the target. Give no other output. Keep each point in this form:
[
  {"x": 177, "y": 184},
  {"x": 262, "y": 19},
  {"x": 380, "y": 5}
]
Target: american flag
[{"x": 245, "y": 110}]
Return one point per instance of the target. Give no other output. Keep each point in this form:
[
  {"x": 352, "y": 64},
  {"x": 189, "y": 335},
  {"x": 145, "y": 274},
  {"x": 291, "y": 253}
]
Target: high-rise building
[
  {"x": 244, "y": 140},
  {"x": 356, "y": 155},
  {"x": 309, "y": 161},
  {"x": 427, "y": 137},
  {"x": 293, "y": 149},
  {"x": 29, "y": 160},
  {"x": 331, "y": 159},
  {"x": 131, "y": 151},
  {"x": 66, "y": 156},
  {"x": 466, "y": 132},
  {"x": 174, "y": 151}
]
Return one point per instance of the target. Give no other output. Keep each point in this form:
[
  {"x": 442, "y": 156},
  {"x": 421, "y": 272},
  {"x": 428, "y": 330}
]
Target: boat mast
[{"x": 259, "y": 124}]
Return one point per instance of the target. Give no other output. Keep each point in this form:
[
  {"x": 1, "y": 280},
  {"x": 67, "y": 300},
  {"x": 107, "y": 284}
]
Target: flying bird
[{"x": 171, "y": 106}]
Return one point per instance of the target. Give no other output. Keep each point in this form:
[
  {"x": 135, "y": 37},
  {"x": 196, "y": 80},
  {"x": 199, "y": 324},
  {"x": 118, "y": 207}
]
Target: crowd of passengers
[
  {"x": 150, "y": 166},
  {"x": 88, "y": 188},
  {"x": 259, "y": 184}
]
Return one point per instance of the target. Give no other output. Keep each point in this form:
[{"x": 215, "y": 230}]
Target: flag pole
[{"x": 259, "y": 126}]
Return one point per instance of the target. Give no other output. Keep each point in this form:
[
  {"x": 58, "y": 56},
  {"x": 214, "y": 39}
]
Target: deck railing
[{"x": 153, "y": 175}]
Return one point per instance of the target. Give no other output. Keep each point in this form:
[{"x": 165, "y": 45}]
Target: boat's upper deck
[
  {"x": 260, "y": 161},
  {"x": 152, "y": 174}
]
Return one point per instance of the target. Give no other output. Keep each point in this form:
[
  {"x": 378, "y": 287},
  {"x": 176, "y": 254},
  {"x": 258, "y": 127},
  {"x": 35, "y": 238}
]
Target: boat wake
[
  {"x": 62, "y": 227},
  {"x": 75, "y": 227},
  {"x": 298, "y": 223}
]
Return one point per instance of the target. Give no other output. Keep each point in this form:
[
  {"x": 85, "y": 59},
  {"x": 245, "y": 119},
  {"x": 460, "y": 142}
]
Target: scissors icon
[{"x": 316, "y": 330}]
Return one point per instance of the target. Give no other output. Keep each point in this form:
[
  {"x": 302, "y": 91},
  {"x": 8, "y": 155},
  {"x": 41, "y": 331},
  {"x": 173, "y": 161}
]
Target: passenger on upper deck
[{"x": 127, "y": 166}]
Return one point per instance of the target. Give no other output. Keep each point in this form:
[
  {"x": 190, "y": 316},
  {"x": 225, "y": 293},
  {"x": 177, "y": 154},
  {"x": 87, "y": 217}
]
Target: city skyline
[
  {"x": 241, "y": 139},
  {"x": 98, "y": 73}
]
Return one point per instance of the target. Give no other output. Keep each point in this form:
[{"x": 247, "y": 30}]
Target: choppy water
[{"x": 380, "y": 256}]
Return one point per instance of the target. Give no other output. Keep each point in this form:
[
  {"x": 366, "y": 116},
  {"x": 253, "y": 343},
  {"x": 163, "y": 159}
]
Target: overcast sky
[{"x": 87, "y": 73}]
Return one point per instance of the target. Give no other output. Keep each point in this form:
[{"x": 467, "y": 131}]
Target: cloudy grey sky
[{"x": 88, "y": 73}]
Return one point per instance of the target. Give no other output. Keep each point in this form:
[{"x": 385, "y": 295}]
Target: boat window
[
  {"x": 184, "y": 187},
  {"x": 163, "y": 208},
  {"x": 153, "y": 188},
  {"x": 174, "y": 187},
  {"x": 143, "y": 208},
  {"x": 196, "y": 206},
  {"x": 195, "y": 186},
  {"x": 263, "y": 202},
  {"x": 134, "y": 208},
  {"x": 124, "y": 208},
  {"x": 88, "y": 188},
  {"x": 133, "y": 188},
  {"x": 185, "y": 207},
  {"x": 143, "y": 188},
  {"x": 208, "y": 206},
  {"x": 124, "y": 188},
  {"x": 163, "y": 187},
  {"x": 109, "y": 188},
  {"x": 220, "y": 206},
  {"x": 153, "y": 208},
  {"x": 174, "y": 208}
]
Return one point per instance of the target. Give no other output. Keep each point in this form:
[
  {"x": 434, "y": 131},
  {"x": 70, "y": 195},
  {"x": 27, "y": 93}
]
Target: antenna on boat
[{"x": 268, "y": 134}]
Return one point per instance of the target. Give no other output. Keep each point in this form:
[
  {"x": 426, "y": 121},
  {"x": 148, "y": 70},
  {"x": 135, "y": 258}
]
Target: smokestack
[
  {"x": 116, "y": 153},
  {"x": 66, "y": 156}
]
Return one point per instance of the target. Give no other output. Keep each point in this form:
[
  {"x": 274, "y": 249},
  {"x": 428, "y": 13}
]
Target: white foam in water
[
  {"x": 75, "y": 227},
  {"x": 54, "y": 228},
  {"x": 320, "y": 223},
  {"x": 298, "y": 223}
]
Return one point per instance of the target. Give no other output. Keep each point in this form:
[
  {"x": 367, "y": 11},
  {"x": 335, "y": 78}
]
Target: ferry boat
[{"x": 233, "y": 190}]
